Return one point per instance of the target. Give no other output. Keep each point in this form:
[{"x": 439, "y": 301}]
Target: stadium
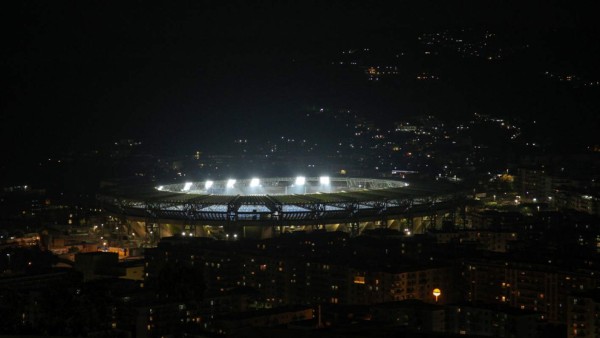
[{"x": 262, "y": 208}]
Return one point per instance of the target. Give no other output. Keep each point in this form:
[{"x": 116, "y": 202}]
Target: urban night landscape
[{"x": 300, "y": 169}]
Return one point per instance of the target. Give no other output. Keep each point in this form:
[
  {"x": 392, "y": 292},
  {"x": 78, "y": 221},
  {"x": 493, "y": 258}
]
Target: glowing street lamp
[{"x": 437, "y": 292}]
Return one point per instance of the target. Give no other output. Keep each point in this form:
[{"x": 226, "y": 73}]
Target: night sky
[{"x": 194, "y": 74}]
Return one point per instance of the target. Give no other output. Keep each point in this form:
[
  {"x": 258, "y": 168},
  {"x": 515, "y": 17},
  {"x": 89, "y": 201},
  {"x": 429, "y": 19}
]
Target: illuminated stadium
[{"x": 265, "y": 207}]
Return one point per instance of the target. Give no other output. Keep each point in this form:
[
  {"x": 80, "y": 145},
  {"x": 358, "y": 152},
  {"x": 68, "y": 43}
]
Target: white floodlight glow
[
  {"x": 160, "y": 188},
  {"x": 255, "y": 182},
  {"x": 208, "y": 184},
  {"x": 300, "y": 180},
  {"x": 230, "y": 183},
  {"x": 187, "y": 186},
  {"x": 324, "y": 180}
]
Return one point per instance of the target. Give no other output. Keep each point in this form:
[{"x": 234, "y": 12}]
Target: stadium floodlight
[
  {"x": 160, "y": 188},
  {"x": 255, "y": 182},
  {"x": 208, "y": 184},
  {"x": 324, "y": 180},
  {"x": 230, "y": 183},
  {"x": 300, "y": 180},
  {"x": 187, "y": 186}
]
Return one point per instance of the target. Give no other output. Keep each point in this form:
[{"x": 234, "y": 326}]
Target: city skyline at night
[{"x": 294, "y": 168}]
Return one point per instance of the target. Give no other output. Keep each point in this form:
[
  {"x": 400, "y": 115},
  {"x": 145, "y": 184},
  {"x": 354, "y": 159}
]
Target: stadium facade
[{"x": 262, "y": 208}]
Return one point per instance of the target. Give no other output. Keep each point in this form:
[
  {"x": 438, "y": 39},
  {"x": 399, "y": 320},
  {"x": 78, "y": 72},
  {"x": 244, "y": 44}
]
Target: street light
[{"x": 437, "y": 292}]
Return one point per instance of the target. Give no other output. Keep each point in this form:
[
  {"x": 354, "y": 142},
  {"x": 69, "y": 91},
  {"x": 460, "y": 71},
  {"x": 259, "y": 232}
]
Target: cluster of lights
[
  {"x": 230, "y": 183},
  {"x": 254, "y": 183}
]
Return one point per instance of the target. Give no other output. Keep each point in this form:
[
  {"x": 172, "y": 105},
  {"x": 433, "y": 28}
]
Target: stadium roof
[{"x": 340, "y": 198}]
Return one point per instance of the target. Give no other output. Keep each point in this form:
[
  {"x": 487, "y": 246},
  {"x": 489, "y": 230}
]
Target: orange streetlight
[{"x": 437, "y": 292}]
